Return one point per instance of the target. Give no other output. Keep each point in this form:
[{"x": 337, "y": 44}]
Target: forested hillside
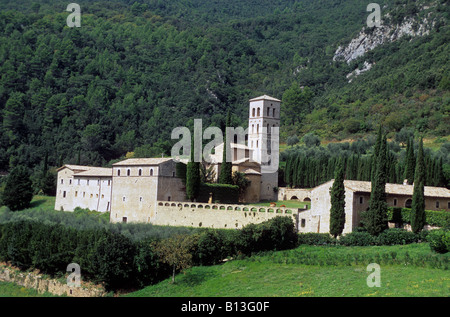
[{"x": 135, "y": 70}]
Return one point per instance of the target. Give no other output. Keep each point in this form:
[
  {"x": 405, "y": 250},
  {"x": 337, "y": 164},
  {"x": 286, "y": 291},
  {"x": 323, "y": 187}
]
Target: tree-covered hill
[{"x": 135, "y": 70}]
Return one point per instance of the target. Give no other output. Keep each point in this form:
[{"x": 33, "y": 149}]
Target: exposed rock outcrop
[
  {"x": 367, "y": 41},
  {"x": 43, "y": 284}
]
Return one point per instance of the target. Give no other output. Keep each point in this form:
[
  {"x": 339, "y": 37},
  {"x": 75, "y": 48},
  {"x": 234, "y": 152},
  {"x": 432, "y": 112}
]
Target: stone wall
[
  {"x": 300, "y": 194},
  {"x": 42, "y": 284},
  {"x": 219, "y": 216}
]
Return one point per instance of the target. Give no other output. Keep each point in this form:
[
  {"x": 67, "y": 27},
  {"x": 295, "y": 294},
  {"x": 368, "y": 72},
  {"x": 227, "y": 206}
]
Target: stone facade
[
  {"x": 357, "y": 196},
  {"x": 84, "y": 187},
  {"x": 137, "y": 186}
]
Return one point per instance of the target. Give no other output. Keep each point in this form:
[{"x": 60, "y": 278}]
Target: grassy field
[
  {"x": 45, "y": 202},
  {"x": 14, "y": 290},
  {"x": 275, "y": 274},
  {"x": 287, "y": 203}
]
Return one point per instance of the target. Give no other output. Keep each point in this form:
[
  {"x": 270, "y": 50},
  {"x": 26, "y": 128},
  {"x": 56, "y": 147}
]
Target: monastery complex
[{"x": 149, "y": 189}]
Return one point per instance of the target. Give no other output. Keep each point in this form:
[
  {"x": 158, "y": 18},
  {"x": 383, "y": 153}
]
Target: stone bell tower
[{"x": 263, "y": 141}]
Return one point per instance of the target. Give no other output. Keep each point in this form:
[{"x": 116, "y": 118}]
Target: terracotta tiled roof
[
  {"x": 265, "y": 97},
  {"x": 75, "y": 167},
  {"x": 397, "y": 189},
  {"x": 96, "y": 171},
  {"x": 142, "y": 161}
]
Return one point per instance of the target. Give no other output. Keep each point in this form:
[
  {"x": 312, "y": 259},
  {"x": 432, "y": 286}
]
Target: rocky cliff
[{"x": 370, "y": 38}]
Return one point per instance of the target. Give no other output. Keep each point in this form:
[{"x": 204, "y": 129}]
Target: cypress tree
[
  {"x": 410, "y": 163},
  {"x": 337, "y": 194},
  {"x": 375, "y": 155},
  {"x": 287, "y": 173},
  {"x": 418, "y": 199},
  {"x": 226, "y": 173},
  {"x": 375, "y": 218},
  {"x": 193, "y": 180},
  {"x": 439, "y": 173},
  {"x": 18, "y": 190}
]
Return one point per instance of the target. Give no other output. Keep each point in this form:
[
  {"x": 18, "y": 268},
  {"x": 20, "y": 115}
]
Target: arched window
[
  {"x": 408, "y": 203},
  {"x": 151, "y": 172},
  {"x": 268, "y": 111},
  {"x": 118, "y": 172},
  {"x": 257, "y": 128},
  {"x": 273, "y": 112},
  {"x": 128, "y": 172},
  {"x": 253, "y": 128},
  {"x": 140, "y": 172},
  {"x": 253, "y": 112},
  {"x": 259, "y": 112}
]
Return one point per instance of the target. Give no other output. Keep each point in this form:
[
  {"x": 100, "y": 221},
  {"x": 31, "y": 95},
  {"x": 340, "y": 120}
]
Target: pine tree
[
  {"x": 410, "y": 163},
  {"x": 226, "y": 168},
  {"x": 375, "y": 218},
  {"x": 18, "y": 191},
  {"x": 337, "y": 193},
  {"x": 418, "y": 199},
  {"x": 193, "y": 180}
]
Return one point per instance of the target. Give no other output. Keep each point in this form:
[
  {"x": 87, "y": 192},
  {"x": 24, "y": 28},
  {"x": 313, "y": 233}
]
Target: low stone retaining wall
[
  {"x": 42, "y": 284},
  {"x": 220, "y": 216}
]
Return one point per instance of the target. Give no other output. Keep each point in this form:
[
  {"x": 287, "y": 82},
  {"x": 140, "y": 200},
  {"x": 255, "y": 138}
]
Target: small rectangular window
[
  {"x": 64, "y": 194},
  {"x": 76, "y": 194},
  {"x": 303, "y": 223},
  {"x": 395, "y": 202},
  {"x": 361, "y": 200},
  {"x": 437, "y": 204},
  {"x": 124, "y": 219}
]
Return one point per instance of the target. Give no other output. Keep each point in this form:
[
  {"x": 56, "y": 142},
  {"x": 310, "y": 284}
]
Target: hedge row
[
  {"x": 221, "y": 193},
  {"x": 117, "y": 261},
  {"x": 438, "y": 218},
  {"x": 392, "y": 236}
]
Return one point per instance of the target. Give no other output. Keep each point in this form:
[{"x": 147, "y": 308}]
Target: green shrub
[
  {"x": 213, "y": 246},
  {"x": 439, "y": 240},
  {"x": 397, "y": 236},
  {"x": 357, "y": 239},
  {"x": 311, "y": 238},
  {"x": 277, "y": 233}
]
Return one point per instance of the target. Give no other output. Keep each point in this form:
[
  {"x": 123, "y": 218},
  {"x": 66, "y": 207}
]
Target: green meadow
[{"x": 405, "y": 271}]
